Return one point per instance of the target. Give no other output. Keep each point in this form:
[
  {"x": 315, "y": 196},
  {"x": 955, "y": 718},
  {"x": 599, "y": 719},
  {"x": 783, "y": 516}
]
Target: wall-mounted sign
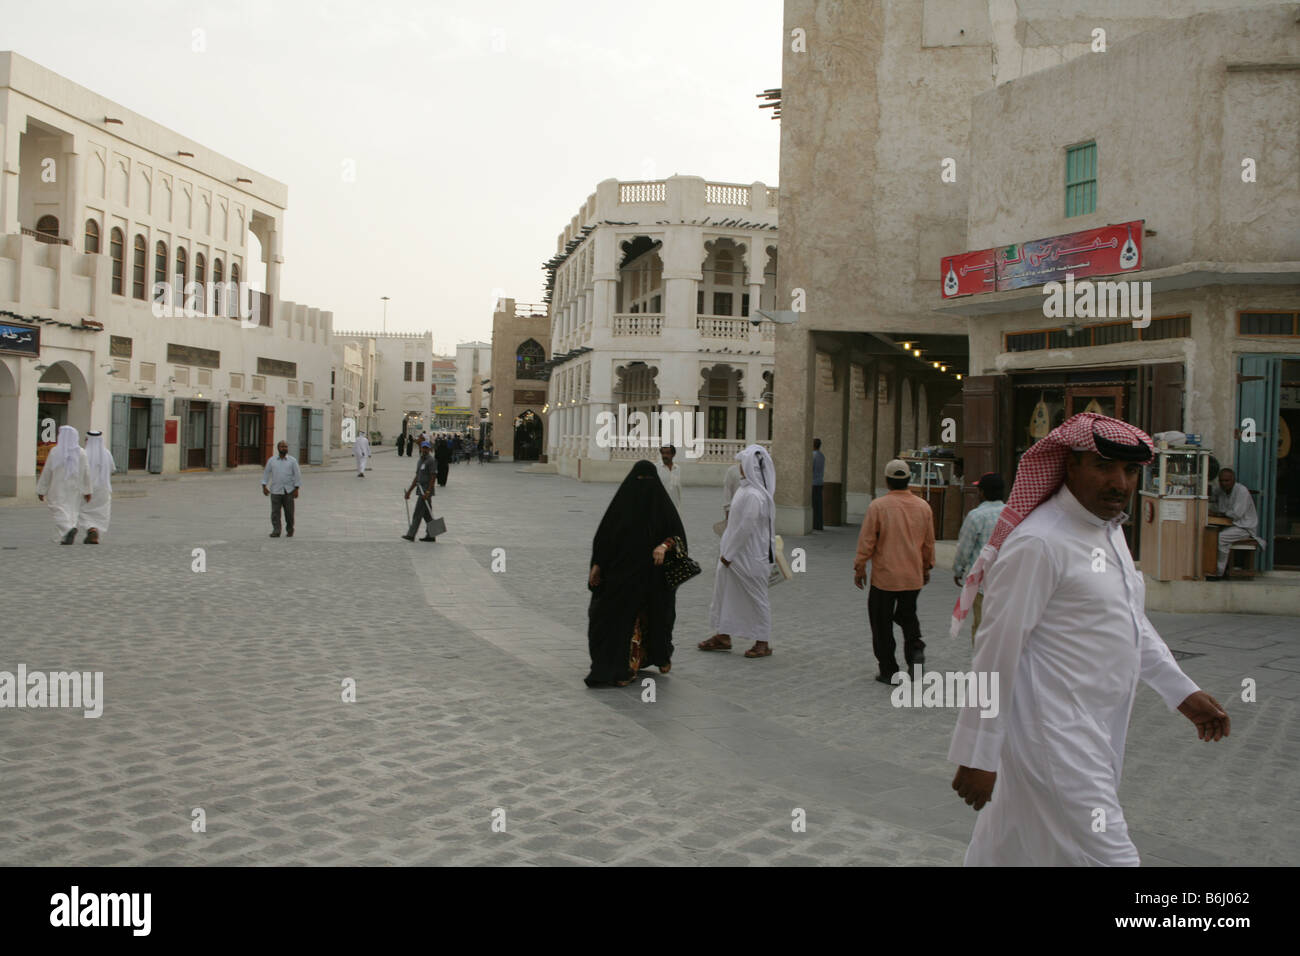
[
  {"x": 1109, "y": 250},
  {"x": 119, "y": 346},
  {"x": 192, "y": 355},
  {"x": 20, "y": 339},
  {"x": 266, "y": 366},
  {"x": 530, "y": 396},
  {"x": 451, "y": 410}
]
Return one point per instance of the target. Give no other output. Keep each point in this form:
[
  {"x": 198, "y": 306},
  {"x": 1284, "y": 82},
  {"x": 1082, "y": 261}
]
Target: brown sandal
[
  {"x": 755, "y": 651},
  {"x": 713, "y": 644}
]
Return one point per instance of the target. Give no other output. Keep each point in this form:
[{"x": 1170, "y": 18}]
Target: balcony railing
[
  {"x": 45, "y": 237},
  {"x": 772, "y": 195},
  {"x": 722, "y": 327},
  {"x": 645, "y": 192},
  {"x": 639, "y": 323},
  {"x": 726, "y": 449},
  {"x": 726, "y": 194}
]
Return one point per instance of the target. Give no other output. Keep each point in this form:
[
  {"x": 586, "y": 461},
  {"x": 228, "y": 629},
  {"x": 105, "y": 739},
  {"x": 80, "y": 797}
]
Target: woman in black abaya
[{"x": 630, "y": 621}]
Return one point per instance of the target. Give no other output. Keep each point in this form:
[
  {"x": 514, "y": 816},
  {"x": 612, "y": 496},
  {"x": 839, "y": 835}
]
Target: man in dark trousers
[
  {"x": 897, "y": 537},
  {"x": 426, "y": 474},
  {"x": 401, "y": 440},
  {"x": 280, "y": 480},
  {"x": 819, "y": 479},
  {"x": 410, "y": 444}
]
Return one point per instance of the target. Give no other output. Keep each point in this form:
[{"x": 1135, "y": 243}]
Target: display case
[
  {"x": 930, "y": 480},
  {"x": 1174, "y": 502},
  {"x": 1177, "y": 474}
]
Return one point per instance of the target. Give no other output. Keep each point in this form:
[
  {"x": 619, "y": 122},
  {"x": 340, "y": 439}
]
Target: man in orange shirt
[{"x": 897, "y": 537}]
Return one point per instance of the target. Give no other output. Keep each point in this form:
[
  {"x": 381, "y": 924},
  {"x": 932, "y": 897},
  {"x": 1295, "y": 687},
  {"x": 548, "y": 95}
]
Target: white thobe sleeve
[
  {"x": 43, "y": 482},
  {"x": 739, "y": 520},
  {"x": 1019, "y": 585},
  {"x": 1160, "y": 671},
  {"x": 87, "y": 487}
]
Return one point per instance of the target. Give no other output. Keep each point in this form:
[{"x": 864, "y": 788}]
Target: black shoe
[
  {"x": 1216, "y": 577},
  {"x": 886, "y": 680},
  {"x": 274, "y": 534},
  {"x": 409, "y": 537},
  {"x": 427, "y": 538},
  {"x": 70, "y": 537},
  {"x": 288, "y": 534}
]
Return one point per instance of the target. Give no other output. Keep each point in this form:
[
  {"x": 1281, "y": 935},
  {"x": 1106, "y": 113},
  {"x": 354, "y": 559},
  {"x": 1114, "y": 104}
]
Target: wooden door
[
  {"x": 232, "y": 434},
  {"x": 138, "y": 447},
  {"x": 1110, "y": 398},
  {"x": 196, "y": 452},
  {"x": 303, "y": 453}
]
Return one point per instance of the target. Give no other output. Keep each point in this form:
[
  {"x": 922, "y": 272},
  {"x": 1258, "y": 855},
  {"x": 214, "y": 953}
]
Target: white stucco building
[
  {"x": 399, "y": 384},
  {"x": 98, "y": 203},
  {"x": 654, "y": 291}
]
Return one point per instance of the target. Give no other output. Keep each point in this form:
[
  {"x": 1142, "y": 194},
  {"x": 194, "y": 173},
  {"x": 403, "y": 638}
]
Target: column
[
  {"x": 751, "y": 423},
  {"x": 792, "y": 425}
]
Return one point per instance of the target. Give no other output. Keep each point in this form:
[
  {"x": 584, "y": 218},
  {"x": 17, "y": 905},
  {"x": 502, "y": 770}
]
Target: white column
[{"x": 751, "y": 424}]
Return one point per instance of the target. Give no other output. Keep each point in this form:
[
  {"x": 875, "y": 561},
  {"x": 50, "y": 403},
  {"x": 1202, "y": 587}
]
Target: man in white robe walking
[
  {"x": 65, "y": 483},
  {"x": 670, "y": 473},
  {"x": 361, "y": 452},
  {"x": 1065, "y": 631},
  {"x": 740, "y": 589},
  {"x": 95, "y": 514}
]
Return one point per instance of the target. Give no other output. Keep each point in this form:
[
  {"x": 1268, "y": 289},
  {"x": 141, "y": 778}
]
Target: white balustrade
[
  {"x": 647, "y": 192},
  {"x": 639, "y": 323},
  {"x": 726, "y": 194},
  {"x": 722, "y": 327}
]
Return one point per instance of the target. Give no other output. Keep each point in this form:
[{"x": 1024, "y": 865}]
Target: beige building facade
[
  {"x": 520, "y": 334},
  {"x": 877, "y": 185}
]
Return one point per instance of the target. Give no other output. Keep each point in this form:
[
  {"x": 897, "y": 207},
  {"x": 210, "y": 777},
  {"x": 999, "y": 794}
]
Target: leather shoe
[
  {"x": 409, "y": 537},
  {"x": 427, "y": 538},
  {"x": 274, "y": 534}
]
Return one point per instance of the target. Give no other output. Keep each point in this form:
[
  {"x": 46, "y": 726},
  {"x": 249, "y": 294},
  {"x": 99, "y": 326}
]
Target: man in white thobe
[
  {"x": 729, "y": 486},
  {"x": 65, "y": 483},
  {"x": 1232, "y": 500},
  {"x": 670, "y": 474},
  {"x": 1065, "y": 632},
  {"x": 361, "y": 452},
  {"x": 95, "y": 513},
  {"x": 740, "y": 588}
]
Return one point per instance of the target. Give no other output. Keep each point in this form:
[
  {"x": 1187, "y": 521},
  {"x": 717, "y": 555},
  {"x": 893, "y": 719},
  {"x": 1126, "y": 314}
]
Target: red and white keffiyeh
[{"x": 1040, "y": 474}]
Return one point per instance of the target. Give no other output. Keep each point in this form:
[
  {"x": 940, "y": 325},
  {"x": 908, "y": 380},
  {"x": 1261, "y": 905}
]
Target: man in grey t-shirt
[{"x": 426, "y": 475}]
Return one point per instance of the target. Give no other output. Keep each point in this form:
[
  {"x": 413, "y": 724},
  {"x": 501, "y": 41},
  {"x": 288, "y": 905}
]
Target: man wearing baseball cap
[
  {"x": 897, "y": 537},
  {"x": 976, "y": 530},
  {"x": 1066, "y": 634}
]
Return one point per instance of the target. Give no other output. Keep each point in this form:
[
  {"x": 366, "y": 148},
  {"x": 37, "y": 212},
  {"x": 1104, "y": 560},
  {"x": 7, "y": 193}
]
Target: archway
[
  {"x": 528, "y": 436},
  {"x": 62, "y": 398},
  {"x": 9, "y": 430}
]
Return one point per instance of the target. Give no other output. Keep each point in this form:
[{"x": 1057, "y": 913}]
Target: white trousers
[{"x": 1227, "y": 538}]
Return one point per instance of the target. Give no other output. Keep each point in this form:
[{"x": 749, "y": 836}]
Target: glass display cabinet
[
  {"x": 1174, "y": 510},
  {"x": 931, "y": 478}
]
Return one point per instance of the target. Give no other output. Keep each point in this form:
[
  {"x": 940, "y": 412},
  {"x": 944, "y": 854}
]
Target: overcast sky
[{"x": 477, "y": 128}]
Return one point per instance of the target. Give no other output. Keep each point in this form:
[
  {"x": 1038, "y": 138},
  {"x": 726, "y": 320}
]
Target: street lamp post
[{"x": 385, "y": 298}]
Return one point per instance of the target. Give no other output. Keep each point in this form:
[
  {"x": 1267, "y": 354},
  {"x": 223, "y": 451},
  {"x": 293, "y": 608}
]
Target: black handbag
[{"x": 679, "y": 566}]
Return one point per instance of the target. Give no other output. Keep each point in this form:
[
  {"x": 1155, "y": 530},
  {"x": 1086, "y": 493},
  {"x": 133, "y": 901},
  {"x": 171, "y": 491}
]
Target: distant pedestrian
[
  {"x": 426, "y": 476},
  {"x": 65, "y": 481},
  {"x": 976, "y": 530},
  {"x": 818, "y": 480},
  {"x": 95, "y": 513},
  {"x": 361, "y": 452},
  {"x": 633, "y": 608},
  {"x": 897, "y": 537},
  {"x": 442, "y": 456},
  {"x": 740, "y": 603},
  {"x": 281, "y": 479},
  {"x": 401, "y": 440},
  {"x": 410, "y": 444},
  {"x": 671, "y": 475}
]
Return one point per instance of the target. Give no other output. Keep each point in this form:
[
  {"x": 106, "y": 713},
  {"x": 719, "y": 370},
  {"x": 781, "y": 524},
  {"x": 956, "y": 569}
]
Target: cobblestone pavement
[{"x": 223, "y": 692}]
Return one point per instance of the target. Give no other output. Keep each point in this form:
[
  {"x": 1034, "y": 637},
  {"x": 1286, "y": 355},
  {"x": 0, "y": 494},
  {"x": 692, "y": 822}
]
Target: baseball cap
[{"x": 897, "y": 468}]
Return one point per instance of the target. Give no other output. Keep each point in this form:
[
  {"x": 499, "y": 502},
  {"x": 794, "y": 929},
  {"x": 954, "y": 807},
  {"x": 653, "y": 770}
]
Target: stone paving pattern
[{"x": 223, "y": 691}]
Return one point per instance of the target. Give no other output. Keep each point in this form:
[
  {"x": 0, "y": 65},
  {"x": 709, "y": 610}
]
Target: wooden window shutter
[
  {"x": 232, "y": 434},
  {"x": 268, "y": 432}
]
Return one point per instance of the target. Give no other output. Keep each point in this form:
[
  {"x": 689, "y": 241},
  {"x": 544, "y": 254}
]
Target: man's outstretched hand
[
  {"x": 1211, "y": 720},
  {"x": 974, "y": 786}
]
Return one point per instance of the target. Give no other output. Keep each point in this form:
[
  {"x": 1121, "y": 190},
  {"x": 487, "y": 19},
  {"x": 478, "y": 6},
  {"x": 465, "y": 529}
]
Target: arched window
[
  {"x": 527, "y": 357},
  {"x": 200, "y": 277},
  {"x": 234, "y": 272},
  {"x": 182, "y": 273},
  {"x": 92, "y": 237},
  {"x": 47, "y": 229},
  {"x": 138, "y": 253},
  {"x": 160, "y": 263},
  {"x": 239, "y": 298},
  {"x": 218, "y": 276},
  {"x": 723, "y": 267},
  {"x": 117, "y": 252}
]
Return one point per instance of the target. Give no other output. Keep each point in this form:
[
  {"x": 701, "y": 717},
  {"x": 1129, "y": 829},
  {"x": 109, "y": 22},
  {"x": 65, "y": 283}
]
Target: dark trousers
[
  {"x": 284, "y": 501},
  {"x": 400, "y": 443},
  {"x": 422, "y": 513},
  {"x": 884, "y": 610},
  {"x": 817, "y": 508}
]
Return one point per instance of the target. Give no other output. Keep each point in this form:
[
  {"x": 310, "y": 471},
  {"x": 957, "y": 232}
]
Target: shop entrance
[
  {"x": 304, "y": 436},
  {"x": 138, "y": 432},
  {"x": 196, "y": 455},
  {"x": 528, "y": 436},
  {"x": 1268, "y": 393}
]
